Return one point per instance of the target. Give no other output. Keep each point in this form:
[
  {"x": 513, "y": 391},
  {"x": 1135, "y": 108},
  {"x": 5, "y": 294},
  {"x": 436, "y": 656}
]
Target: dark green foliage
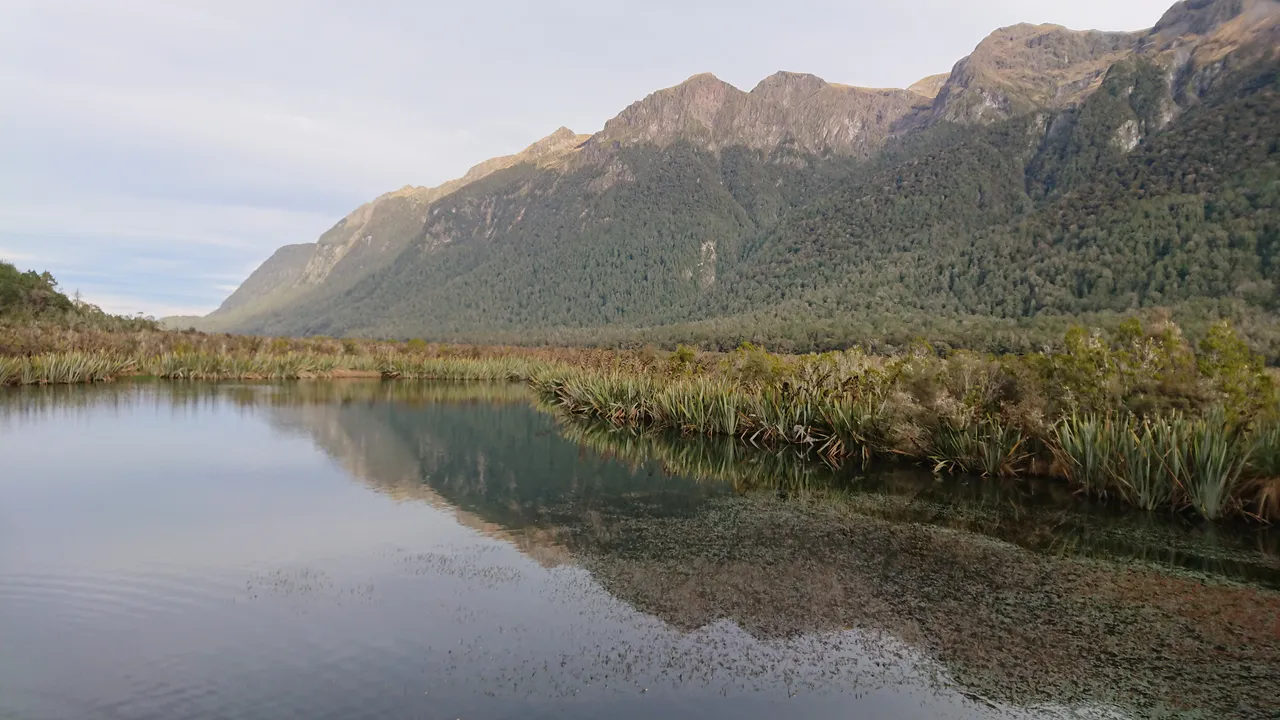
[
  {"x": 523, "y": 249},
  {"x": 1131, "y": 104},
  {"x": 29, "y": 294},
  {"x": 1188, "y": 220},
  {"x": 31, "y": 304}
]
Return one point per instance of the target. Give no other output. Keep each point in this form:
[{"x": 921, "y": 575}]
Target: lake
[{"x": 363, "y": 549}]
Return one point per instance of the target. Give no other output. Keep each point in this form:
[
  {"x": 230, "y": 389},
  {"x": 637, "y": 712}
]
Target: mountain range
[{"x": 1052, "y": 176}]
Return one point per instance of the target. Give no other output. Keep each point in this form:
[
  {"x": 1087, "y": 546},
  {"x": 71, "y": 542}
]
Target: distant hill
[{"x": 1053, "y": 174}]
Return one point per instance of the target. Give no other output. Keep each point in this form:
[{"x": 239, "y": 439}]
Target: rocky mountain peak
[
  {"x": 1201, "y": 17},
  {"x": 558, "y": 141},
  {"x": 798, "y": 109},
  {"x": 1027, "y": 51},
  {"x": 789, "y": 89},
  {"x": 686, "y": 111},
  {"x": 1202, "y": 41},
  {"x": 1022, "y": 67},
  {"x": 548, "y": 149},
  {"x": 1218, "y": 27}
]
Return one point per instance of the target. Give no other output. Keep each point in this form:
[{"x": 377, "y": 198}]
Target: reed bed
[
  {"x": 1155, "y": 463},
  {"x": 1033, "y": 513},
  {"x": 63, "y": 368},
  {"x": 497, "y": 369},
  {"x": 228, "y": 366},
  {"x": 966, "y": 416},
  {"x": 1141, "y": 418},
  {"x": 1177, "y": 463}
]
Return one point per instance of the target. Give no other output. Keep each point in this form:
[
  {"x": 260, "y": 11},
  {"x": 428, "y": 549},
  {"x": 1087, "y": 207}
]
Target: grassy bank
[{"x": 1137, "y": 415}]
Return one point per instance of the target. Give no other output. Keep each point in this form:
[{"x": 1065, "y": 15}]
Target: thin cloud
[
  {"x": 133, "y": 305},
  {"x": 140, "y": 222}
]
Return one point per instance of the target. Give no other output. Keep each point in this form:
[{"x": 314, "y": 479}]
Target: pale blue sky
[{"x": 153, "y": 152}]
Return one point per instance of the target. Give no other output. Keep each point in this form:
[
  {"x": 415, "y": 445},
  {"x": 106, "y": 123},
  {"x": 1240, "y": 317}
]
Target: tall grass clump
[
  {"x": 9, "y": 371},
  {"x": 1149, "y": 467},
  {"x": 858, "y": 426},
  {"x": 987, "y": 447},
  {"x": 1166, "y": 462},
  {"x": 1217, "y": 452},
  {"x": 406, "y": 367},
  {"x": 1264, "y": 467},
  {"x": 63, "y": 368},
  {"x": 200, "y": 365},
  {"x": 1086, "y": 448},
  {"x": 702, "y": 407}
]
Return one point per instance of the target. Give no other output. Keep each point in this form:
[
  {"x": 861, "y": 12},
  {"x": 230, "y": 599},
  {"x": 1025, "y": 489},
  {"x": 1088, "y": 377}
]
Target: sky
[{"x": 154, "y": 152}]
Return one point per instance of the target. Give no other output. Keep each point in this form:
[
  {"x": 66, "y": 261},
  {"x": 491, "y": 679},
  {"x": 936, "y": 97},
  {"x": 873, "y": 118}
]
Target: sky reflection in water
[{"x": 397, "y": 550}]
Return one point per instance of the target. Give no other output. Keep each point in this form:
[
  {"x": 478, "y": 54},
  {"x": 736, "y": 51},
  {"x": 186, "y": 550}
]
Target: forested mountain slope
[
  {"x": 1190, "y": 220},
  {"x": 1052, "y": 174},
  {"x": 368, "y": 239}
]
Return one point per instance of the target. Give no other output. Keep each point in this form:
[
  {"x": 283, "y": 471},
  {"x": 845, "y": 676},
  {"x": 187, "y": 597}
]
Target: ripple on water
[
  {"x": 486, "y": 567},
  {"x": 87, "y": 597}
]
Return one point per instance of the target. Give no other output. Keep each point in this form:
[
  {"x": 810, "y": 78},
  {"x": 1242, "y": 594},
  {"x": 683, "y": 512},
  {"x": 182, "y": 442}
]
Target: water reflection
[
  {"x": 698, "y": 530},
  {"x": 1037, "y": 514},
  {"x": 752, "y": 570}
]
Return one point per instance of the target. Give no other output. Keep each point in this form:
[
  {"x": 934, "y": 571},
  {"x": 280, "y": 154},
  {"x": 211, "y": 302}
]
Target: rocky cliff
[{"x": 800, "y": 111}]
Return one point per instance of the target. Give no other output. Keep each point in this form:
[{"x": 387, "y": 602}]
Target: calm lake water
[{"x": 402, "y": 550}]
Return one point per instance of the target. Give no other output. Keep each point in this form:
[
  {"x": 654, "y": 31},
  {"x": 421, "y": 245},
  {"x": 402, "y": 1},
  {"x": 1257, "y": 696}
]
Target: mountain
[
  {"x": 1051, "y": 175},
  {"x": 364, "y": 241},
  {"x": 794, "y": 110},
  {"x": 1020, "y": 69}
]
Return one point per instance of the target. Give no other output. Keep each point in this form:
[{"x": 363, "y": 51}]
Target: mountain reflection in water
[{"x": 1023, "y": 596}]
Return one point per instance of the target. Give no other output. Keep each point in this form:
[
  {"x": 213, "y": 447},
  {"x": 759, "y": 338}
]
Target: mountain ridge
[{"x": 651, "y": 220}]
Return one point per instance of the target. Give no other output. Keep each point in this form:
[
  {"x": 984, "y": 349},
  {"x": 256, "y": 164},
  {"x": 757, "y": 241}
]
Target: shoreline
[{"x": 1141, "y": 417}]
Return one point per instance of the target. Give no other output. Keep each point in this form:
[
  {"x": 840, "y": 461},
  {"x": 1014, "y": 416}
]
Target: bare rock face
[
  {"x": 1198, "y": 17},
  {"x": 1202, "y": 41},
  {"x": 703, "y": 109},
  {"x": 1025, "y": 67},
  {"x": 1202, "y": 32},
  {"x": 841, "y": 119},
  {"x": 789, "y": 89},
  {"x": 547, "y": 150},
  {"x": 796, "y": 109}
]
